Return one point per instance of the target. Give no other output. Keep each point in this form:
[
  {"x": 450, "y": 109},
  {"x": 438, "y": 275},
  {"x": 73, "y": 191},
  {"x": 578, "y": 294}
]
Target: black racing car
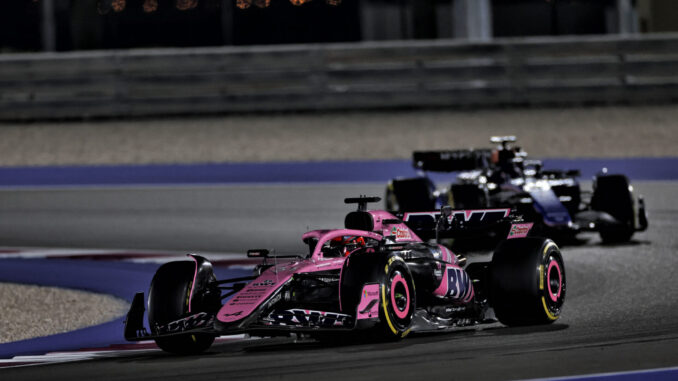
[{"x": 504, "y": 178}]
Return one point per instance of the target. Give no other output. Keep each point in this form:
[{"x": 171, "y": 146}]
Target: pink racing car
[{"x": 376, "y": 276}]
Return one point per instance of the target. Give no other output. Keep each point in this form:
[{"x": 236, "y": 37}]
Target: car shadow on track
[
  {"x": 495, "y": 330},
  {"x": 509, "y": 331},
  {"x": 290, "y": 345},
  {"x": 361, "y": 343},
  {"x": 623, "y": 244}
]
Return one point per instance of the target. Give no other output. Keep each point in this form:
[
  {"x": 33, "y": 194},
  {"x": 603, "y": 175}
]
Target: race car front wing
[
  {"x": 201, "y": 322},
  {"x": 275, "y": 322}
]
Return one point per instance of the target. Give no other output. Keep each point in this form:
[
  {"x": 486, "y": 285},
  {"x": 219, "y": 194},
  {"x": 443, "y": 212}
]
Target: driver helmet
[{"x": 349, "y": 244}]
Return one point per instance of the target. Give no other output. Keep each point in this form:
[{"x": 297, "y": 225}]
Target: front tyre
[
  {"x": 527, "y": 282},
  {"x": 613, "y": 195},
  {"x": 397, "y": 300},
  {"x": 168, "y": 301}
]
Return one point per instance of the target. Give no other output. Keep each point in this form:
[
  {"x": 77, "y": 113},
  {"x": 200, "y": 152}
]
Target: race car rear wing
[
  {"x": 452, "y": 160},
  {"x": 448, "y": 223}
]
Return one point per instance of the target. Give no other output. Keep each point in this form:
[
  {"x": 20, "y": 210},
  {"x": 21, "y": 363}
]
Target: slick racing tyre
[
  {"x": 527, "y": 281},
  {"x": 613, "y": 195},
  {"x": 410, "y": 195},
  {"x": 390, "y": 199},
  {"x": 397, "y": 300},
  {"x": 168, "y": 301}
]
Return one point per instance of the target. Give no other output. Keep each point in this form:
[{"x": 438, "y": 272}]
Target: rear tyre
[
  {"x": 527, "y": 282},
  {"x": 168, "y": 301},
  {"x": 397, "y": 300},
  {"x": 613, "y": 195},
  {"x": 390, "y": 199},
  {"x": 410, "y": 195}
]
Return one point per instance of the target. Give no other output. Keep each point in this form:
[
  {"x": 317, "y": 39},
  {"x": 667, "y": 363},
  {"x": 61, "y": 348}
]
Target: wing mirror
[{"x": 443, "y": 222}]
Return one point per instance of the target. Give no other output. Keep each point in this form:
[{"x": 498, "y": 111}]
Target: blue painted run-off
[
  {"x": 663, "y": 374},
  {"x": 294, "y": 172},
  {"x": 120, "y": 279}
]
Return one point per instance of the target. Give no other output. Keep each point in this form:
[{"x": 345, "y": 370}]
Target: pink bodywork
[
  {"x": 456, "y": 284},
  {"x": 369, "y": 302},
  {"x": 447, "y": 255},
  {"x": 259, "y": 290},
  {"x": 519, "y": 230},
  {"x": 402, "y": 232}
]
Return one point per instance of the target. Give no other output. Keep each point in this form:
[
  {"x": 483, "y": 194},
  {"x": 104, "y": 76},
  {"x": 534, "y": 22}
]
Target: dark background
[{"x": 219, "y": 22}]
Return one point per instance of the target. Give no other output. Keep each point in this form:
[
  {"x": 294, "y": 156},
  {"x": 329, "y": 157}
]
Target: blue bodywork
[{"x": 549, "y": 206}]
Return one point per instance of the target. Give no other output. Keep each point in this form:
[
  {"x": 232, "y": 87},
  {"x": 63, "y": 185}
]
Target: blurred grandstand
[
  {"x": 271, "y": 55},
  {"x": 31, "y": 25}
]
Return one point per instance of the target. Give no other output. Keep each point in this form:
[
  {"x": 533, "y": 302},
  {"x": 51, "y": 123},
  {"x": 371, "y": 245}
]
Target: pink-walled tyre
[
  {"x": 168, "y": 300},
  {"x": 397, "y": 299},
  {"x": 527, "y": 282}
]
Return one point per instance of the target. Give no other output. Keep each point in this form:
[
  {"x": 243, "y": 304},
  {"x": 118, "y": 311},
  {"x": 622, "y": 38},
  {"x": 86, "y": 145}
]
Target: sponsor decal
[
  {"x": 478, "y": 215},
  {"x": 254, "y": 290},
  {"x": 457, "y": 285},
  {"x": 233, "y": 314},
  {"x": 307, "y": 318},
  {"x": 519, "y": 230},
  {"x": 265, "y": 283},
  {"x": 369, "y": 303},
  {"x": 401, "y": 234},
  {"x": 199, "y": 320},
  {"x": 247, "y": 297},
  {"x": 241, "y": 302}
]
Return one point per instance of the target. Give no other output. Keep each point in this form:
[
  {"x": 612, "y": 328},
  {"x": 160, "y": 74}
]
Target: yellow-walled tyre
[
  {"x": 527, "y": 282},
  {"x": 397, "y": 299},
  {"x": 390, "y": 199}
]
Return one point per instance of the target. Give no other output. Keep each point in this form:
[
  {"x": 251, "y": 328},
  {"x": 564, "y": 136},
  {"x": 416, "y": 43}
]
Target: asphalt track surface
[{"x": 620, "y": 313}]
